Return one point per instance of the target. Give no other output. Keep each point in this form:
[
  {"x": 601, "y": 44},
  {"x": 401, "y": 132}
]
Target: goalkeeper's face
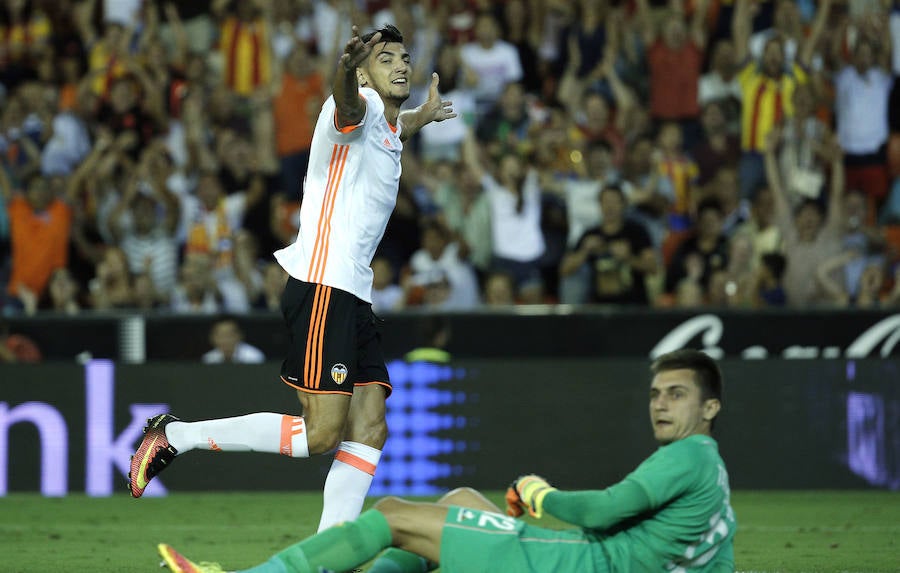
[{"x": 677, "y": 408}]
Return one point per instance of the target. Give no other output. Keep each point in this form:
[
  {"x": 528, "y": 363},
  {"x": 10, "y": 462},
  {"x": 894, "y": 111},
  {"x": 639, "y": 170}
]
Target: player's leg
[
  {"x": 413, "y": 526},
  {"x": 396, "y": 560},
  {"x": 358, "y": 454},
  {"x": 469, "y": 497},
  {"x": 316, "y": 315}
]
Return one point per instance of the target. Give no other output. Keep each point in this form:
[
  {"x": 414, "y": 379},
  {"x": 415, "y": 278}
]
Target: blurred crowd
[{"x": 662, "y": 153}]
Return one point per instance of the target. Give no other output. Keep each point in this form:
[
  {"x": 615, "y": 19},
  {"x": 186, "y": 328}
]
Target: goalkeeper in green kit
[{"x": 672, "y": 513}]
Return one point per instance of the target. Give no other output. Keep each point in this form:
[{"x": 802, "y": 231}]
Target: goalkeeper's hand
[{"x": 527, "y": 492}]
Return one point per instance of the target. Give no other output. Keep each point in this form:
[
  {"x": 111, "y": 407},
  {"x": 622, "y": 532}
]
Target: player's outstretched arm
[
  {"x": 594, "y": 509},
  {"x": 434, "y": 109},
  {"x": 351, "y": 108}
]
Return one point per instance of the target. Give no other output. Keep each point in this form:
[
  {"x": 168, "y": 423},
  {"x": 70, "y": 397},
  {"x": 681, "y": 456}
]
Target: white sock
[
  {"x": 348, "y": 482},
  {"x": 262, "y": 432}
]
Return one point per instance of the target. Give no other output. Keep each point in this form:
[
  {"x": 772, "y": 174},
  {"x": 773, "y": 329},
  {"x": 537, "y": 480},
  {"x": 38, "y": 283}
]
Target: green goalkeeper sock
[
  {"x": 339, "y": 548},
  {"x": 399, "y": 561}
]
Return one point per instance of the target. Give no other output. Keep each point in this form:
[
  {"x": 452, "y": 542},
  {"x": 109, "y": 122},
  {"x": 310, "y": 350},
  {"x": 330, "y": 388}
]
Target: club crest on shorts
[{"x": 339, "y": 373}]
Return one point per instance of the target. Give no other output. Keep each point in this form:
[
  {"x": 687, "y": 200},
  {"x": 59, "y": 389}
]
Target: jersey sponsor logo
[
  {"x": 339, "y": 373},
  {"x": 213, "y": 445},
  {"x": 387, "y": 143}
]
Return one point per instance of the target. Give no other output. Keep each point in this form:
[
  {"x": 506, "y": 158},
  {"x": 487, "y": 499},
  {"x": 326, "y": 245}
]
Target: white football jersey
[{"x": 349, "y": 194}]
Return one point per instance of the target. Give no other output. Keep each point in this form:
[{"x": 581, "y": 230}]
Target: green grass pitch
[{"x": 778, "y": 531}]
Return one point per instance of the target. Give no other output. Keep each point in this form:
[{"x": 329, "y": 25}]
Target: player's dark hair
[
  {"x": 706, "y": 372},
  {"x": 389, "y": 33}
]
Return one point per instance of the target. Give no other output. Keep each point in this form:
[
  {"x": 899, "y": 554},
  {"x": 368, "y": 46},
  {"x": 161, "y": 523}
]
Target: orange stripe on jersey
[
  {"x": 332, "y": 165},
  {"x": 327, "y": 244},
  {"x": 355, "y": 461},
  {"x": 321, "y": 257}
]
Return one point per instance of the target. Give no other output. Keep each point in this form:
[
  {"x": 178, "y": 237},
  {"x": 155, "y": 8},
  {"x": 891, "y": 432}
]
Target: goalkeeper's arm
[{"x": 594, "y": 509}]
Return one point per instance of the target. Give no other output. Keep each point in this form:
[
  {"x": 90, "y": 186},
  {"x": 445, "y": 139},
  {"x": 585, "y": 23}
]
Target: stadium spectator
[
  {"x": 767, "y": 89},
  {"x": 245, "y": 45},
  {"x": 653, "y": 191},
  {"x": 863, "y": 290},
  {"x": 862, "y": 91},
  {"x": 465, "y": 209},
  {"x": 707, "y": 243},
  {"x": 802, "y": 168},
  {"x": 761, "y": 226},
  {"x": 718, "y": 146},
  {"x": 770, "y": 281},
  {"x": 112, "y": 286},
  {"x": 505, "y": 126},
  {"x": 227, "y": 340},
  {"x": 299, "y": 95},
  {"x": 515, "y": 202},
  {"x": 492, "y": 59},
  {"x": 196, "y": 291},
  {"x": 678, "y": 167},
  {"x": 273, "y": 280},
  {"x": 61, "y": 297},
  {"x": 439, "y": 254},
  {"x": 387, "y": 295},
  {"x": 675, "y": 61},
  {"x": 40, "y": 224},
  {"x": 71, "y": 140},
  {"x": 522, "y": 29},
  {"x": 618, "y": 255},
  {"x": 441, "y": 142},
  {"x": 683, "y": 487},
  {"x": 719, "y": 84},
  {"x": 726, "y": 189},
  {"x": 148, "y": 237},
  {"x": 499, "y": 289},
  {"x": 810, "y": 236}
]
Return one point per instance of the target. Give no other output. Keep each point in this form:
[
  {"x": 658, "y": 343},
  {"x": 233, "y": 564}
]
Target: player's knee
[
  {"x": 396, "y": 512},
  {"x": 461, "y": 496},
  {"x": 369, "y": 430},
  {"x": 322, "y": 438}
]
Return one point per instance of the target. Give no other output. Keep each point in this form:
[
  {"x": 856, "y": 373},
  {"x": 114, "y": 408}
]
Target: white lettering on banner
[
  {"x": 867, "y": 341},
  {"x": 54, "y": 444},
  {"x": 886, "y": 332},
  {"x": 709, "y": 325},
  {"x": 105, "y": 452}
]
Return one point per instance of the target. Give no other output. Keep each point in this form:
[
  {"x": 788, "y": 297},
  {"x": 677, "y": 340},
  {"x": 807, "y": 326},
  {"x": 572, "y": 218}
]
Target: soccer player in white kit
[{"x": 335, "y": 359}]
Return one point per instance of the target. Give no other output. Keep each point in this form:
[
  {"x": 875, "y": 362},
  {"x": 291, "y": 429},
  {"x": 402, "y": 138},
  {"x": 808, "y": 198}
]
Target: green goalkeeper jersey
[{"x": 672, "y": 513}]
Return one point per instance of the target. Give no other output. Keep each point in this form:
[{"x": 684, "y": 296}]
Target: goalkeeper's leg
[{"x": 396, "y": 560}]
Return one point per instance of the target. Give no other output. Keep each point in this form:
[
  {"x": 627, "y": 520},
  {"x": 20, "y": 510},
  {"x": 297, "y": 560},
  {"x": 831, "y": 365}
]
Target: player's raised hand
[
  {"x": 356, "y": 50},
  {"x": 531, "y": 491},
  {"x": 435, "y": 109}
]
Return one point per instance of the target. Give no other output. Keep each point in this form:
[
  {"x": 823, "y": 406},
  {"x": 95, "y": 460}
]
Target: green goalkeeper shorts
[{"x": 475, "y": 541}]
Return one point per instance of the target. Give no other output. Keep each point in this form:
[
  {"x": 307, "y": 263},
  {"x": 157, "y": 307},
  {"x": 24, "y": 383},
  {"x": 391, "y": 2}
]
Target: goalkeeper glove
[{"x": 527, "y": 492}]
